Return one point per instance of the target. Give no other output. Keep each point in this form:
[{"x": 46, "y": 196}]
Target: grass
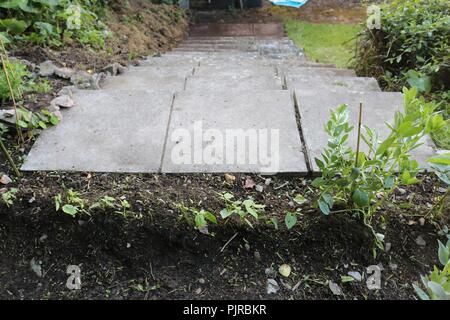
[{"x": 324, "y": 42}]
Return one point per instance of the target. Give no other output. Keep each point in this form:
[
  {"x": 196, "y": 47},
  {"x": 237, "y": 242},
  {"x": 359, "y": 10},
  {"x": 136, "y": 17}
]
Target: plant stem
[
  {"x": 359, "y": 133},
  {"x": 19, "y": 131},
  {"x": 8, "y": 157}
]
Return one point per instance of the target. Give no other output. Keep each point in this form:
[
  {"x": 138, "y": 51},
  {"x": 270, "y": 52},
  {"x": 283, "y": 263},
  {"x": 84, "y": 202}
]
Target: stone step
[
  {"x": 336, "y": 83},
  {"x": 183, "y": 70},
  {"x": 272, "y": 111},
  {"x": 145, "y": 82},
  {"x": 378, "y": 108},
  {"x": 228, "y": 50},
  {"x": 237, "y": 29},
  {"x": 106, "y": 131},
  {"x": 239, "y": 83},
  {"x": 308, "y": 71},
  {"x": 233, "y": 70}
]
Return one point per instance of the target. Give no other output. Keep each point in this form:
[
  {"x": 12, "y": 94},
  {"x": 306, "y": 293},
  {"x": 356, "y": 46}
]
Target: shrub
[
  {"x": 412, "y": 46},
  {"x": 361, "y": 182},
  {"x": 16, "y": 71},
  {"x": 51, "y": 22}
]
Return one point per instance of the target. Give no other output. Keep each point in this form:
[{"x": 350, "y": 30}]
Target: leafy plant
[
  {"x": 437, "y": 284},
  {"x": 441, "y": 166},
  {"x": 361, "y": 182},
  {"x": 9, "y": 196},
  {"x": 72, "y": 205},
  {"x": 242, "y": 209},
  {"x": 198, "y": 217},
  {"x": 17, "y": 72}
]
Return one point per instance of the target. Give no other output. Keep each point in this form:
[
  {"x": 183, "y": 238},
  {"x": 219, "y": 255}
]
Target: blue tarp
[{"x": 290, "y": 3}]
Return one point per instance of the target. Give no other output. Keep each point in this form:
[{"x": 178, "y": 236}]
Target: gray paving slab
[
  {"x": 332, "y": 83},
  {"x": 379, "y": 108},
  {"x": 224, "y": 69},
  {"x": 238, "y": 83},
  {"x": 180, "y": 71},
  {"x": 106, "y": 131},
  {"x": 270, "y": 110},
  {"x": 310, "y": 71},
  {"x": 143, "y": 82}
]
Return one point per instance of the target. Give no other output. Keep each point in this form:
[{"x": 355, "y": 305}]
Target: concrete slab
[
  {"x": 162, "y": 71},
  {"x": 238, "y": 83},
  {"x": 106, "y": 131},
  {"x": 237, "y": 29},
  {"x": 311, "y": 71},
  {"x": 344, "y": 84},
  {"x": 197, "y": 112},
  {"x": 379, "y": 108},
  {"x": 131, "y": 83},
  {"x": 224, "y": 69}
]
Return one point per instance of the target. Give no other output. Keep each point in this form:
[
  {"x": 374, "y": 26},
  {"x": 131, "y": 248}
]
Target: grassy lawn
[{"x": 323, "y": 42}]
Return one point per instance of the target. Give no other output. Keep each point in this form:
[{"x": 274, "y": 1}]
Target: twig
[
  {"x": 281, "y": 186},
  {"x": 228, "y": 242},
  {"x": 8, "y": 157},
  {"x": 359, "y": 133}
]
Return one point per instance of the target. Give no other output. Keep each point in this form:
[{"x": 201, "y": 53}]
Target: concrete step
[
  {"x": 238, "y": 29},
  {"x": 337, "y": 83},
  {"x": 145, "y": 82},
  {"x": 378, "y": 108},
  {"x": 159, "y": 71},
  {"x": 238, "y": 83},
  {"x": 233, "y": 70},
  {"x": 309, "y": 71},
  {"x": 262, "y": 115}
]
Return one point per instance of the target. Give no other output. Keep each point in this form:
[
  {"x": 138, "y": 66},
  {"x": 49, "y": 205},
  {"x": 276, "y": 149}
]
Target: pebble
[
  {"x": 36, "y": 267},
  {"x": 201, "y": 281},
  {"x": 355, "y": 275},
  {"x": 270, "y": 272},
  {"x": 43, "y": 238},
  {"x": 335, "y": 288},
  {"x": 272, "y": 286},
  {"x": 257, "y": 256},
  {"x": 247, "y": 247},
  {"x": 268, "y": 181},
  {"x": 259, "y": 188},
  {"x": 420, "y": 241},
  {"x": 422, "y": 221},
  {"x": 393, "y": 266},
  {"x": 5, "y": 179},
  {"x": 388, "y": 246},
  {"x": 64, "y": 101}
]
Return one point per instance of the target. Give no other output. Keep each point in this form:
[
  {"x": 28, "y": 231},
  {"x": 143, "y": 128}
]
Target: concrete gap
[
  {"x": 284, "y": 85},
  {"x": 167, "y": 133},
  {"x": 302, "y": 137}
]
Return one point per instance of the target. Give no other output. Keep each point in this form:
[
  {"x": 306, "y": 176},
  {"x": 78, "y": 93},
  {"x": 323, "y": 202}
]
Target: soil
[{"x": 152, "y": 252}]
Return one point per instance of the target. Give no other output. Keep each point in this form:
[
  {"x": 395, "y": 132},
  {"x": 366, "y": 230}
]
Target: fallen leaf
[
  {"x": 249, "y": 183},
  {"x": 334, "y": 287},
  {"x": 5, "y": 179}
]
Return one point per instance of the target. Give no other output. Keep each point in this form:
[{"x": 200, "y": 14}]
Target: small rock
[
  {"x": 401, "y": 190},
  {"x": 247, "y": 247},
  {"x": 272, "y": 286},
  {"x": 388, "y": 246},
  {"x": 229, "y": 178},
  {"x": 8, "y": 116},
  {"x": 335, "y": 288},
  {"x": 257, "y": 256},
  {"x": 249, "y": 183},
  {"x": 198, "y": 291},
  {"x": 53, "y": 108},
  {"x": 355, "y": 275},
  {"x": 5, "y": 179},
  {"x": 36, "y": 267},
  {"x": 46, "y": 68},
  {"x": 422, "y": 221},
  {"x": 393, "y": 266},
  {"x": 420, "y": 241},
  {"x": 442, "y": 190},
  {"x": 114, "y": 69},
  {"x": 285, "y": 270},
  {"x": 201, "y": 281},
  {"x": 58, "y": 114},
  {"x": 270, "y": 272},
  {"x": 259, "y": 188},
  {"x": 43, "y": 238},
  {"x": 268, "y": 181},
  {"x": 65, "y": 73},
  {"x": 128, "y": 245},
  {"x": 67, "y": 90},
  {"x": 63, "y": 101}
]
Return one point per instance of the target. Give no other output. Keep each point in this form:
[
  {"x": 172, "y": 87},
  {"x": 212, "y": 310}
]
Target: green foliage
[
  {"x": 51, "y": 22},
  {"x": 9, "y": 196},
  {"x": 437, "y": 284},
  {"x": 39, "y": 86},
  {"x": 362, "y": 182},
  {"x": 72, "y": 205},
  {"x": 17, "y": 72},
  {"x": 30, "y": 121},
  {"x": 441, "y": 166},
  {"x": 198, "y": 217},
  {"x": 243, "y": 209},
  {"x": 414, "y": 35}
]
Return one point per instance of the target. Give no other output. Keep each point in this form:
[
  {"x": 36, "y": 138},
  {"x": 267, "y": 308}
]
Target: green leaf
[
  {"x": 210, "y": 217},
  {"x": 360, "y": 198},
  {"x": 389, "y": 182},
  {"x": 420, "y": 293},
  {"x": 443, "y": 253},
  {"x": 70, "y": 210},
  {"x": 13, "y": 26},
  {"x": 200, "y": 221},
  {"x": 318, "y": 182},
  {"x": 290, "y": 220},
  {"x": 421, "y": 82},
  {"x": 324, "y": 207},
  {"x": 345, "y": 279},
  {"x": 225, "y": 213},
  {"x": 299, "y": 199},
  {"x": 12, "y": 4},
  {"x": 355, "y": 173},
  {"x": 440, "y": 159}
]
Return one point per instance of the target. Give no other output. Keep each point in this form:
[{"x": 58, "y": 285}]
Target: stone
[
  {"x": 259, "y": 188},
  {"x": 335, "y": 288},
  {"x": 63, "y": 101},
  {"x": 170, "y": 83},
  {"x": 36, "y": 267},
  {"x": 311, "y": 71},
  {"x": 239, "y": 83},
  {"x": 80, "y": 79},
  {"x": 114, "y": 69},
  {"x": 272, "y": 286},
  {"x": 355, "y": 275},
  {"x": 67, "y": 90},
  {"x": 8, "y": 116},
  {"x": 299, "y": 82},
  {"x": 97, "y": 137},
  {"x": 46, "y": 68},
  {"x": 229, "y": 110},
  {"x": 420, "y": 241},
  {"x": 65, "y": 73},
  {"x": 4, "y": 179},
  {"x": 378, "y": 108}
]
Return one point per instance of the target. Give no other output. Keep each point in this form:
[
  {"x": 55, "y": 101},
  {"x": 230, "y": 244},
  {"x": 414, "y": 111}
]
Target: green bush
[
  {"x": 16, "y": 71},
  {"x": 52, "y": 22},
  {"x": 412, "y": 45}
]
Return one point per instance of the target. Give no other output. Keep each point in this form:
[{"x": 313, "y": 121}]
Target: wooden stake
[
  {"x": 8, "y": 157},
  {"x": 359, "y": 133}
]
